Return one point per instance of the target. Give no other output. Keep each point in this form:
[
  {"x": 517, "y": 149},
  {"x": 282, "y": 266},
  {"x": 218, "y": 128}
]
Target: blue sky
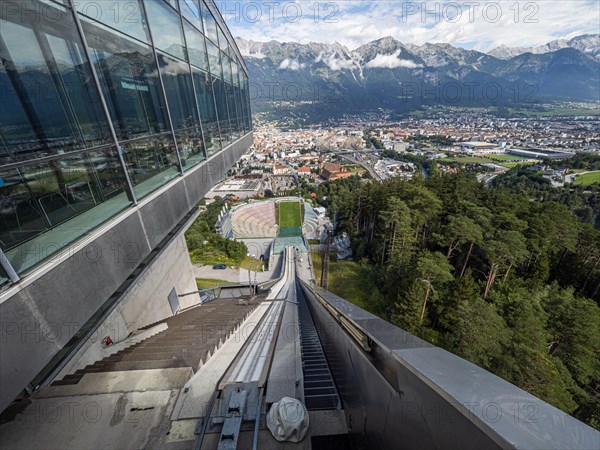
[{"x": 479, "y": 25}]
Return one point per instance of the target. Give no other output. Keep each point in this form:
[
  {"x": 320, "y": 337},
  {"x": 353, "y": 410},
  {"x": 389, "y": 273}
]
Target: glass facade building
[{"x": 102, "y": 103}]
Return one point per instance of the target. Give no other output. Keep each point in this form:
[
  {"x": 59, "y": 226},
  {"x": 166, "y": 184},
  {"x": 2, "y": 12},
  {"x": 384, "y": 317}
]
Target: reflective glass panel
[
  {"x": 173, "y": 3},
  {"x": 191, "y": 11},
  {"x": 223, "y": 116},
  {"x": 179, "y": 92},
  {"x": 165, "y": 25},
  {"x": 48, "y": 204},
  {"x": 214, "y": 59},
  {"x": 125, "y": 16},
  {"x": 191, "y": 147},
  {"x": 212, "y": 138},
  {"x": 151, "y": 162},
  {"x": 130, "y": 83},
  {"x": 226, "y": 68},
  {"x": 49, "y": 103},
  {"x": 204, "y": 96},
  {"x": 196, "y": 49},
  {"x": 208, "y": 115},
  {"x": 210, "y": 26},
  {"x": 230, "y": 96},
  {"x": 223, "y": 44}
]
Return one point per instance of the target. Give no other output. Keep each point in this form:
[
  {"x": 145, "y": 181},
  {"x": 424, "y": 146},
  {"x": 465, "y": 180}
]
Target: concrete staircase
[{"x": 190, "y": 337}]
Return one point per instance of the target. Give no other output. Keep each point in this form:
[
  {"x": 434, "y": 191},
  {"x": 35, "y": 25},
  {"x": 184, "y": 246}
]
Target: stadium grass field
[{"x": 289, "y": 214}]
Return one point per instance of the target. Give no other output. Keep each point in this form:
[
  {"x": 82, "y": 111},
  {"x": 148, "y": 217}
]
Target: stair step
[
  {"x": 190, "y": 347},
  {"x": 144, "y": 365},
  {"x": 188, "y": 339},
  {"x": 172, "y": 340},
  {"x": 65, "y": 382},
  {"x": 72, "y": 377},
  {"x": 158, "y": 355},
  {"x": 89, "y": 369}
]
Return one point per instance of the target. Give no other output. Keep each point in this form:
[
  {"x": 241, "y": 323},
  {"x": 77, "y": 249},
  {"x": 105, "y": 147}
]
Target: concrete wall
[
  {"x": 41, "y": 313},
  {"x": 145, "y": 302},
  {"x": 258, "y": 247}
]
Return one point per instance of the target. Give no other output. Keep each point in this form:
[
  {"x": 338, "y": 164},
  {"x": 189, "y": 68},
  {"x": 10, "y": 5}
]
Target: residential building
[{"x": 330, "y": 172}]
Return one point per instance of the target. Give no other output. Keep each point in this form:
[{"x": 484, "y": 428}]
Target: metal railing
[{"x": 399, "y": 391}]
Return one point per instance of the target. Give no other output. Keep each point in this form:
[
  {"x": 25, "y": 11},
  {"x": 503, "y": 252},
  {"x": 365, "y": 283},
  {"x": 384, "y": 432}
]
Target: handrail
[{"x": 359, "y": 336}]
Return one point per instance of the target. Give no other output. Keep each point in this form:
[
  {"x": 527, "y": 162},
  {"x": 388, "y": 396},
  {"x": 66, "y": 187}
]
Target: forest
[
  {"x": 491, "y": 274},
  {"x": 206, "y": 246},
  {"x": 583, "y": 201}
]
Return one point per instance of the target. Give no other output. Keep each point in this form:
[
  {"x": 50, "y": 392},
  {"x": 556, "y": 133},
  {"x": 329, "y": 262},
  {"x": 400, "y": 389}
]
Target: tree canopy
[{"x": 496, "y": 275}]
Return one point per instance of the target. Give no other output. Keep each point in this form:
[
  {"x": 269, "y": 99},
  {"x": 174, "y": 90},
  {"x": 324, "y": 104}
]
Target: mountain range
[
  {"x": 327, "y": 79},
  {"x": 586, "y": 43}
]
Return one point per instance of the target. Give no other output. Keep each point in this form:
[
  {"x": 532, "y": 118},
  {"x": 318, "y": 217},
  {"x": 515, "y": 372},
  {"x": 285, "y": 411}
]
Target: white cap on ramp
[{"x": 288, "y": 420}]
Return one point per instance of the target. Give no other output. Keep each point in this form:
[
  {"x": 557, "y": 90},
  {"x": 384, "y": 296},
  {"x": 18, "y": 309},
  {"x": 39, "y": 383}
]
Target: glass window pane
[
  {"x": 208, "y": 115},
  {"x": 212, "y": 139},
  {"x": 204, "y": 97},
  {"x": 226, "y": 68},
  {"x": 210, "y": 26},
  {"x": 173, "y": 3},
  {"x": 196, "y": 48},
  {"x": 126, "y": 17},
  {"x": 230, "y": 96},
  {"x": 129, "y": 80},
  {"x": 49, "y": 103},
  {"x": 223, "y": 43},
  {"x": 165, "y": 25},
  {"x": 46, "y": 205},
  {"x": 179, "y": 92},
  {"x": 191, "y": 147},
  {"x": 234, "y": 72},
  {"x": 191, "y": 11},
  {"x": 223, "y": 117},
  {"x": 214, "y": 59},
  {"x": 151, "y": 162},
  {"x": 238, "y": 108}
]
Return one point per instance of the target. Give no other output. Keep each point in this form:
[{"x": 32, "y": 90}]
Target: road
[
  {"x": 237, "y": 275},
  {"x": 368, "y": 167}
]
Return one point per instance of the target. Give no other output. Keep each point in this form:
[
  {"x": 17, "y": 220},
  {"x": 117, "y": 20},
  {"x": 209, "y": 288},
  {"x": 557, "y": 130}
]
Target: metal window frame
[
  {"x": 162, "y": 85},
  {"x": 210, "y": 76},
  {"x": 129, "y": 188},
  {"x": 8, "y": 268},
  {"x": 4, "y": 261},
  {"x": 181, "y": 19}
]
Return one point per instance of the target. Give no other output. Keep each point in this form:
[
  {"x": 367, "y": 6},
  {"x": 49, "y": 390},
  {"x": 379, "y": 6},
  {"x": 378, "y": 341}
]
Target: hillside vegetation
[
  {"x": 208, "y": 247},
  {"x": 506, "y": 282}
]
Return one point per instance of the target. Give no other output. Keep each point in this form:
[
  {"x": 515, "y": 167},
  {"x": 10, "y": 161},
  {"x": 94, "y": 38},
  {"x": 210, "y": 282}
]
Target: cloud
[
  {"x": 335, "y": 63},
  {"x": 475, "y": 25},
  {"x": 291, "y": 64},
  {"x": 391, "y": 62}
]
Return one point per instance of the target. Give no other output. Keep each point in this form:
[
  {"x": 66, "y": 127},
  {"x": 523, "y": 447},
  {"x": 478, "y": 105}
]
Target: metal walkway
[{"x": 320, "y": 392}]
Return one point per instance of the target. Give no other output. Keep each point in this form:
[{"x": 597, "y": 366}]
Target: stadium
[{"x": 283, "y": 220}]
